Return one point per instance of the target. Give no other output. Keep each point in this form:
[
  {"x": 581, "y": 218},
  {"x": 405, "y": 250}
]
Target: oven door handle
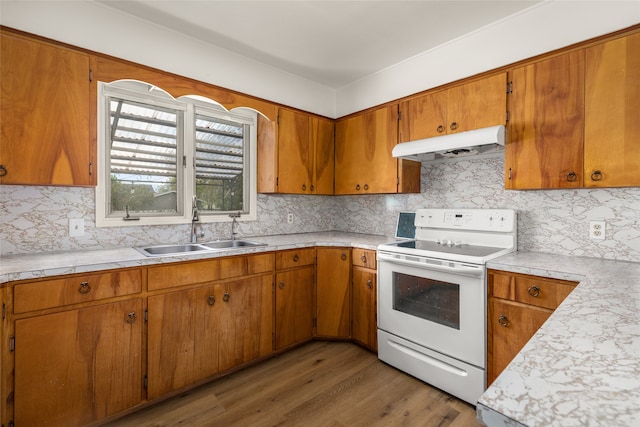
[{"x": 471, "y": 270}]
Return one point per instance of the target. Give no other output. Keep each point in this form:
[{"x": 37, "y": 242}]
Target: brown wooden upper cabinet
[
  {"x": 612, "y": 117},
  {"x": 364, "y": 163},
  {"x": 574, "y": 119},
  {"x": 302, "y": 160},
  {"x": 45, "y": 107},
  {"x": 474, "y": 105}
]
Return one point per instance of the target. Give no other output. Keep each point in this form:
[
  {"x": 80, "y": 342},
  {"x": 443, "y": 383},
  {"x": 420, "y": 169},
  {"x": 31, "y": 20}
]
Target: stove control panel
[{"x": 496, "y": 220}]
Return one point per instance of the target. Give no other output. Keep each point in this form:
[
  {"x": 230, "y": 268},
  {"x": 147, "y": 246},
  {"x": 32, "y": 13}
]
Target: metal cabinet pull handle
[
  {"x": 211, "y": 300},
  {"x": 281, "y": 285},
  {"x": 3, "y": 170},
  {"x": 369, "y": 284},
  {"x": 454, "y": 126},
  {"x": 226, "y": 297},
  {"x": 440, "y": 129},
  {"x": 503, "y": 321},
  {"x": 131, "y": 318},
  {"x": 596, "y": 176},
  {"x": 304, "y": 187},
  {"x": 534, "y": 291},
  {"x": 85, "y": 288},
  {"x": 311, "y": 187},
  {"x": 366, "y": 187},
  {"x": 572, "y": 177},
  {"x": 363, "y": 258},
  {"x": 296, "y": 258},
  {"x": 358, "y": 187},
  {"x": 343, "y": 257}
]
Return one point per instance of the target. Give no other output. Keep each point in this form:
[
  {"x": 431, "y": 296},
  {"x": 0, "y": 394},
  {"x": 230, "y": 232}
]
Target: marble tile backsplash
[{"x": 35, "y": 219}]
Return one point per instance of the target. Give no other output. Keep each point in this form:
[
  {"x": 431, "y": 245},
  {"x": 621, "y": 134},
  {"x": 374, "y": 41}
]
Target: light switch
[{"x": 76, "y": 227}]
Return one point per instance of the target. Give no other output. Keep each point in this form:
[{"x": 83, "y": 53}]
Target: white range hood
[{"x": 463, "y": 144}]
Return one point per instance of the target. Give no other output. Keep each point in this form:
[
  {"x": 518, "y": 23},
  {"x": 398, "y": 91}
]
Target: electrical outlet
[
  {"x": 76, "y": 227},
  {"x": 290, "y": 218},
  {"x": 597, "y": 230}
]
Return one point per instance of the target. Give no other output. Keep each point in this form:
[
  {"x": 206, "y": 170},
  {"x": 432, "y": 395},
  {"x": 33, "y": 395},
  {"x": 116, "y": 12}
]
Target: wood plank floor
[{"x": 328, "y": 384}]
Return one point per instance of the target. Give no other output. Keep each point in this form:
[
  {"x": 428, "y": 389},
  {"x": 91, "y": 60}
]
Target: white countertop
[
  {"x": 582, "y": 367},
  {"x": 30, "y": 266}
]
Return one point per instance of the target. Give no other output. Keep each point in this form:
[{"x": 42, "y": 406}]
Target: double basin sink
[{"x": 219, "y": 245}]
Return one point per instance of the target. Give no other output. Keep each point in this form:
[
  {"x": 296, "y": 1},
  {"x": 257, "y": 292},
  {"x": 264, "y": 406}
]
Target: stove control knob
[
  {"x": 449, "y": 243},
  {"x": 439, "y": 242}
]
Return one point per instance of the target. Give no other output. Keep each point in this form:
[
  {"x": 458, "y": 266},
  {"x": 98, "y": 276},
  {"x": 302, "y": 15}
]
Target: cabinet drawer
[
  {"x": 364, "y": 258},
  {"x": 168, "y": 276},
  {"x": 295, "y": 258},
  {"x": 260, "y": 263},
  {"x": 75, "y": 289},
  {"x": 533, "y": 290}
]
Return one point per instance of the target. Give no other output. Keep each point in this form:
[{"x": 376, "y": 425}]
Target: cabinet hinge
[
  {"x": 12, "y": 344},
  {"x": 184, "y": 161},
  {"x": 90, "y": 168},
  {"x": 90, "y": 75},
  {"x": 278, "y": 119},
  {"x": 277, "y": 181},
  {"x": 146, "y": 316},
  {"x": 509, "y": 87},
  {"x": 399, "y": 115},
  {"x": 397, "y": 180},
  {"x": 145, "y": 382},
  {"x": 508, "y": 115}
]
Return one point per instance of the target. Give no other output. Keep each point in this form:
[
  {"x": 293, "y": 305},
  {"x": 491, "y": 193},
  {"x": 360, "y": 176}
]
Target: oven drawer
[{"x": 532, "y": 290}]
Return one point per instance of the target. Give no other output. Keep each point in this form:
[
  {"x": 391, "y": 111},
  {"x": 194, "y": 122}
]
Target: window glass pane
[
  {"x": 428, "y": 299},
  {"x": 221, "y": 151},
  {"x": 144, "y": 156}
]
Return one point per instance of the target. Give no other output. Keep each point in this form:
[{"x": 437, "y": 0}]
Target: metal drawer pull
[
  {"x": 503, "y": 321},
  {"x": 370, "y": 284},
  {"x": 131, "y": 318},
  {"x": 534, "y": 291},
  {"x": 296, "y": 258},
  {"x": 343, "y": 257},
  {"x": 226, "y": 297},
  {"x": 211, "y": 300},
  {"x": 3, "y": 170},
  {"x": 572, "y": 177},
  {"x": 281, "y": 285},
  {"x": 440, "y": 129},
  {"x": 596, "y": 175},
  {"x": 85, "y": 288},
  {"x": 366, "y": 186},
  {"x": 357, "y": 186},
  {"x": 304, "y": 187},
  {"x": 454, "y": 126},
  {"x": 363, "y": 258}
]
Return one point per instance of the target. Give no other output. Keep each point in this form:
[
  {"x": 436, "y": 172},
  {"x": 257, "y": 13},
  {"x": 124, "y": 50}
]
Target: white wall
[
  {"x": 99, "y": 28},
  {"x": 544, "y": 27}
]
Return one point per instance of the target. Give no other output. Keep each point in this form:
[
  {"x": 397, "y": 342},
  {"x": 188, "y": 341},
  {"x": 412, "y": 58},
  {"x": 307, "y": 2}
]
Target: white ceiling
[{"x": 333, "y": 43}]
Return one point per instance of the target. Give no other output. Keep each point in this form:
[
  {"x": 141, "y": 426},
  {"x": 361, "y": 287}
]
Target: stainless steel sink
[
  {"x": 158, "y": 250},
  {"x": 230, "y": 244},
  {"x": 220, "y": 245}
]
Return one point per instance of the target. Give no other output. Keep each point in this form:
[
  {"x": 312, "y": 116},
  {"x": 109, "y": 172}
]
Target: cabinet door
[
  {"x": 364, "y": 142},
  {"x": 294, "y": 306},
  {"x": 78, "y": 366},
  {"x": 322, "y": 138},
  {"x": 45, "y": 110},
  {"x": 332, "y": 292},
  {"x": 546, "y": 127},
  {"x": 612, "y": 125},
  {"x": 424, "y": 117},
  {"x": 510, "y": 326},
  {"x": 182, "y": 339},
  {"x": 295, "y": 154},
  {"x": 364, "y": 327},
  {"x": 478, "y": 104},
  {"x": 246, "y": 320}
]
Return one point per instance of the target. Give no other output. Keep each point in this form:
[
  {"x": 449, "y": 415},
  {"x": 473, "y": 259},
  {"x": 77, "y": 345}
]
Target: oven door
[{"x": 434, "y": 303}]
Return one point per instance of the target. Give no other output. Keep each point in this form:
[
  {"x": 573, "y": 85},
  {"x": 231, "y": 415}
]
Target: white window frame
[{"x": 186, "y": 142}]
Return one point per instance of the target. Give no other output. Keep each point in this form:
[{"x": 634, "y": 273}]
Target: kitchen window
[{"x": 160, "y": 157}]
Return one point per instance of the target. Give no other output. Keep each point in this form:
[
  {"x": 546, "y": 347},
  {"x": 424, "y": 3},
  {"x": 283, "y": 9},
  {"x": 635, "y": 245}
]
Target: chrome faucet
[
  {"x": 234, "y": 217},
  {"x": 196, "y": 229}
]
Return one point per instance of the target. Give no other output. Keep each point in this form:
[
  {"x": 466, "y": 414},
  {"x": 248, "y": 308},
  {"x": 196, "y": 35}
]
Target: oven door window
[{"x": 428, "y": 299}]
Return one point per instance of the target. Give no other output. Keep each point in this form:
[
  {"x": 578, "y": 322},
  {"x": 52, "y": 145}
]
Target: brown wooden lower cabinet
[
  {"x": 333, "y": 294},
  {"x": 294, "y": 306},
  {"x": 518, "y": 305},
  {"x": 364, "y": 326},
  {"x": 78, "y": 366}
]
